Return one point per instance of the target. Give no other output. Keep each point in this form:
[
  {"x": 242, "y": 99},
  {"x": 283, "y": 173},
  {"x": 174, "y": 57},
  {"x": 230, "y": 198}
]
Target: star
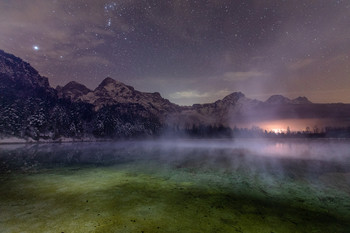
[{"x": 186, "y": 41}]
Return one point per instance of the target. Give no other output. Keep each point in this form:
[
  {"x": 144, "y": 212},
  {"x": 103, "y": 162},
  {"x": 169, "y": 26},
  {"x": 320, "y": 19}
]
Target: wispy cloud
[
  {"x": 188, "y": 94},
  {"x": 190, "y": 97},
  {"x": 239, "y": 76},
  {"x": 88, "y": 60},
  {"x": 300, "y": 64}
]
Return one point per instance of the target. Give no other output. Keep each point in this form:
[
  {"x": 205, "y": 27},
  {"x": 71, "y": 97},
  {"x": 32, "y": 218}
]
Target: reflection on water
[
  {"x": 251, "y": 153},
  {"x": 250, "y": 185}
]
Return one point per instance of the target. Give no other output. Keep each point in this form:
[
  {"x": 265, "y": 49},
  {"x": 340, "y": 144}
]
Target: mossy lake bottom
[{"x": 246, "y": 185}]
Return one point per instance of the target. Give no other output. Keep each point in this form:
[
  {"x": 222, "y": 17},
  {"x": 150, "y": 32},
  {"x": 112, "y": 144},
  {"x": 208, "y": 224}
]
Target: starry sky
[{"x": 191, "y": 51}]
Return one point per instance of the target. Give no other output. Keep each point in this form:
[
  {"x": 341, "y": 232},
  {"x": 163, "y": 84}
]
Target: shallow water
[{"x": 249, "y": 185}]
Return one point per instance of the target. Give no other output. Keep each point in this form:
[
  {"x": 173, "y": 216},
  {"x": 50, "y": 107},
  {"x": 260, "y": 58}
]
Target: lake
[{"x": 224, "y": 185}]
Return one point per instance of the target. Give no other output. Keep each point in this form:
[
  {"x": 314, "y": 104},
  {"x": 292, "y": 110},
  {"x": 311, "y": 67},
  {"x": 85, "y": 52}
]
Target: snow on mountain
[
  {"x": 111, "y": 92},
  {"x": 30, "y": 108}
]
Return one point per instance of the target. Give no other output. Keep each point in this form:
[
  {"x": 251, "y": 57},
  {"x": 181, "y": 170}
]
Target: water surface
[{"x": 250, "y": 185}]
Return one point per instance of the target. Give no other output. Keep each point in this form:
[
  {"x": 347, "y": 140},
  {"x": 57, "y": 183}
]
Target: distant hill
[
  {"x": 279, "y": 99},
  {"x": 30, "y": 108}
]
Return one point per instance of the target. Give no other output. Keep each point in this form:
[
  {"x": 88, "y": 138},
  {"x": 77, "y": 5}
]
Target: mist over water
[
  {"x": 253, "y": 152},
  {"x": 275, "y": 158},
  {"x": 235, "y": 183}
]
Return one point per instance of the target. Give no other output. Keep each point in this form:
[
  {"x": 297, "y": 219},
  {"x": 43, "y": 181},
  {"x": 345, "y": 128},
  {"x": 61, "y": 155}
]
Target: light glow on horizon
[{"x": 278, "y": 130}]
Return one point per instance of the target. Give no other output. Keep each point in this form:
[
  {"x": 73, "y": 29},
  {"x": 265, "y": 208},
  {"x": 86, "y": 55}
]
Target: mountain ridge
[
  {"x": 111, "y": 91},
  {"x": 30, "y": 107},
  {"x": 16, "y": 74},
  {"x": 280, "y": 99},
  {"x": 230, "y": 98}
]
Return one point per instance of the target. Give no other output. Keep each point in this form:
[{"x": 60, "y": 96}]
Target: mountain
[
  {"x": 301, "y": 100},
  {"x": 72, "y": 90},
  {"x": 237, "y": 109},
  {"x": 15, "y": 74},
  {"x": 30, "y": 108},
  {"x": 279, "y": 99},
  {"x": 220, "y": 112},
  {"x": 111, "y": 92}
]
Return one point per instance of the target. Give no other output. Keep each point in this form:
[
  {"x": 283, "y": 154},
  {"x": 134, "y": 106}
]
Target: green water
[{"x": 196, "y": 186}]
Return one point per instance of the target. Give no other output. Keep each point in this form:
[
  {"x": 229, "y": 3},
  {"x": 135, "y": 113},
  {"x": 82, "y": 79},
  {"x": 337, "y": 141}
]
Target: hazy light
[
  {"x": 36, "y": 47},
  {"x": 294, "y": 124},
  {"x": 278, "y": 130}
]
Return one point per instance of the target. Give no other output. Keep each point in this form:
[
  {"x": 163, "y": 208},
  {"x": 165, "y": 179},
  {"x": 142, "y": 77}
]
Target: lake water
[{"x": 246, "y": 185}]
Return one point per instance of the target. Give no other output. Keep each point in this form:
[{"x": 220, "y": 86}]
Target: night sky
[{"x": 189, "y": 51}]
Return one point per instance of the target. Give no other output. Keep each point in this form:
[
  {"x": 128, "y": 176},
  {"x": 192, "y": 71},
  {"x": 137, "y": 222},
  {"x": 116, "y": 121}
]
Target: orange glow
[
  {"x": 281, "y": 126},
  {"x": 293, "y": 125},
  {"x": 278, "y": 130}
]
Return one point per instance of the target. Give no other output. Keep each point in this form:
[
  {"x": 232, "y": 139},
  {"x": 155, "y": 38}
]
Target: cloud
[
  {"x": 188, "y": 94},
  {"x": 241, "y": 76},
  {"x": 191, "y": 97},
  {"x": 88, "y": 60},
  {"x": 300, "y": 64},
  {"x": 198, "y": 51}
]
